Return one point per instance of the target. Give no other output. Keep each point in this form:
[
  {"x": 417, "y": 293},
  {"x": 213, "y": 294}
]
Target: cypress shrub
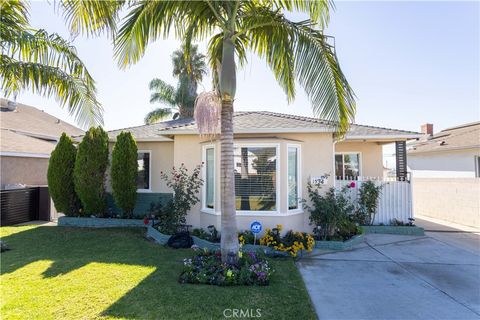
[
  {"x": 124, "y": 172},
  {"x": 89, "y": 172},
  {"x": 60, "y": 176}
]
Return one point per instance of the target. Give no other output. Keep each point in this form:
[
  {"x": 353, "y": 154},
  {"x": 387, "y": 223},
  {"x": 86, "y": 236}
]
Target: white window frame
[
  {"x": 477, "y": 166},
  {"x": 149, "y": 171},
  {"x": 204, "y": 177},
  {"x": 278, "y": 178},
  {"x": 299, "y": 209},
  {"x": 360, "y": 163}
]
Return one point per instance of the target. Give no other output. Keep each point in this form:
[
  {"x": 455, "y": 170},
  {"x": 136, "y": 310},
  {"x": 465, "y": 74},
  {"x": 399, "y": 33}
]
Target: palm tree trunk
[{"x": 229, "y": 241}]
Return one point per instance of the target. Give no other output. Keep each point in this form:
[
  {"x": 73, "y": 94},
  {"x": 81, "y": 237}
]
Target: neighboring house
[
  {"x": 28, "y": 136},
  {"x": 275, "y": 156},
  {"x": 445, "y": 169},
  {"x": 450, "y": 153}
]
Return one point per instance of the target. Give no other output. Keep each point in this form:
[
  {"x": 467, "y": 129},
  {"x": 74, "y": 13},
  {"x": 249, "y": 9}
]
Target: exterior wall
[
  {"x": 29, "y": 171},
  {"x": 450, "y": 199},
  {"x": 316, "y": 158},
  {"x": 451, "y": 164},
  {"x": 371, "y": 156},
  {"x": 161, "y": 159}
]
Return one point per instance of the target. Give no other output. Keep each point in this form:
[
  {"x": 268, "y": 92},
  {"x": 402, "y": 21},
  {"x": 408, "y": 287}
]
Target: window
[
  {"x": 209, "y": 178},
  {"x": 143, "y": 174},
  {"x": 255, "y": 178},
  {"x": 477, "y": 166},
  {"x": 293, "y": 178},
  {"x": 347, "y": 165}
]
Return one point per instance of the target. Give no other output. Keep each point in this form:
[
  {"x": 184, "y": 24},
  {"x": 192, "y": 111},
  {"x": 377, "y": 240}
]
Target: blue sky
[{"x": 408, "y": 62}]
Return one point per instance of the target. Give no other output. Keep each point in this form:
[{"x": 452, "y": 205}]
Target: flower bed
[
  {"x": 291, "y": 243},
  {"x": 206, "y": 267}
]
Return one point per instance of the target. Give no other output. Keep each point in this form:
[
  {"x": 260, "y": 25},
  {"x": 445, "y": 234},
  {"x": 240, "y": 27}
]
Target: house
[
  {"x": 275, "y": 156},
  {"x": 445, "y": 168},
  {"x": 28, "y": 136},
  {"x": 450, "y": 153}
]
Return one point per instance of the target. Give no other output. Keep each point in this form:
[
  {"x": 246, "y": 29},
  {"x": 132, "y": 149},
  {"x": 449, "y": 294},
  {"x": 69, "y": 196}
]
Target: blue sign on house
[{"x": 256, "y": 227}]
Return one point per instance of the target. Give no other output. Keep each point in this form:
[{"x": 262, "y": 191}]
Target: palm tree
[
  {"x": 45, "y": 64},
  {"x": 293, "y": 50},
  {"x": 190, "y": 70}
]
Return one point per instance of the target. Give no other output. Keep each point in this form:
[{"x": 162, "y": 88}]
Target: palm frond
[
  {"x": 162, "y": 92},
  {"x": 91, "y": 17},
  {"x": 318, "y": 10},
  {"x": 69, "y": 90},
  {"x": 158, "y": 115}
]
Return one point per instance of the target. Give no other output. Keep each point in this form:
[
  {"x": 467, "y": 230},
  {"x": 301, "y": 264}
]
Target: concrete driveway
[{"x": 397, "y": 277}]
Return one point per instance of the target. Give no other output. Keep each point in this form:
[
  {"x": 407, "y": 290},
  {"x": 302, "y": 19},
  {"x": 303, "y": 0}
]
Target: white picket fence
[{"x": 395, "y": 201}]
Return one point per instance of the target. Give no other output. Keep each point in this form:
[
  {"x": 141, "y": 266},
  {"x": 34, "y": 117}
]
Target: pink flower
[
  {"x": 145, "y": 221},
  {"x": 352, "y": 184}
]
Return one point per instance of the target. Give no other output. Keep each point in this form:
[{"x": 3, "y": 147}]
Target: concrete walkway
[{"x": 397, "y": 277}]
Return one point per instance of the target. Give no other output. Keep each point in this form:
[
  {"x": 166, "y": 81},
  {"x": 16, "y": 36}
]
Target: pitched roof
[
  {"x": 34, "y": 122},
  {"x": 28, "y": 130},
  {"x": 465, "y": 136},
  {"x": 264, "y": 122},
  {"x": 12, "y": 143}
]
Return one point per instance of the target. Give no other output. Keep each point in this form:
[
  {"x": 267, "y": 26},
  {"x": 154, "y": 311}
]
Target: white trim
[
  {"x": 278, "y": 176},
  {"x": 385, "y": 137},
  {"x": 204, "y": 176},
  {"x": 149, "y": 171},
  {"x": 258, "y": 130},
  {"x": 24, "y": 154},
  {"x": 299, "y": 177},
  {"x": 360, "y": 163}
]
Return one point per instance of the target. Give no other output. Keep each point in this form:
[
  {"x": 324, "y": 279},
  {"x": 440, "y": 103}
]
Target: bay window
[
  {"x": 293, "y": 178},
  {"x": 255, "y": 178},
  {"x": 143, "y": 170},
  {"x": 347, "y": 166}
]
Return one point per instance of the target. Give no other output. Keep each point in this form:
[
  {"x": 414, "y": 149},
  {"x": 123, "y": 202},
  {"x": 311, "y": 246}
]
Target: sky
[{"x": 408, "y": 62}]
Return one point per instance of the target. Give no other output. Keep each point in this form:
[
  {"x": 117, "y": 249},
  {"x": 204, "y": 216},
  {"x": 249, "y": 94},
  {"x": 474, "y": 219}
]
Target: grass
[{"x": 73, "y": 273}]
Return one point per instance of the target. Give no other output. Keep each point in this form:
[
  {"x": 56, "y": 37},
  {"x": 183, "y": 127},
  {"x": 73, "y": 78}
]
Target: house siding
[{"x": 29, "y": 171}]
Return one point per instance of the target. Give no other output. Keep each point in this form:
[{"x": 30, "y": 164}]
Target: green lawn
[{"x": 70, "y": 273}]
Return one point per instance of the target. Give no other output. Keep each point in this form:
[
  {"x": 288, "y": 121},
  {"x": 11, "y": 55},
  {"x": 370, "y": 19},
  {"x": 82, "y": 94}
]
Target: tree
[
  {"x": 89, "y": 172},
  {"x": 293, "y": 50},
  {"x": 45, "y": 64},
  {"x": 124, "y": 172},
  {"x": 60, "y": 176},
  {"x": 189, "y": 69}
]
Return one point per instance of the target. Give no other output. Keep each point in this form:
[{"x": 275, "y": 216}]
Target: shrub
[
  {"x": 60, "y": 176},
  {"x": 185, "y": 189},
  {"x": 124, "y": 172},
  {"x": 292, "y": 242},
  {"x": 331, "y": 214},
  {"x": 211, "y": 235},
  {"x": 206, "y": 267},
  {"x": 368, "y": 195},
  {"x": 89, "y": 172}
]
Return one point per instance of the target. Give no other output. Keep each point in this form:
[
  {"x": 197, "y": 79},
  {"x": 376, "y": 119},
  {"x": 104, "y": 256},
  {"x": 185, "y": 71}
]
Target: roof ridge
[{"x": 465, "y": 125}]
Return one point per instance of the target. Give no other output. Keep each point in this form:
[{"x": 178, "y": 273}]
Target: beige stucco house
[
  {"x": 276, "y": 155},
  {"x": 27, "y": 137}
]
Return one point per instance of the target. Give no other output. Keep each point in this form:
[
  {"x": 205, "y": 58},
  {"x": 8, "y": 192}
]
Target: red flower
[
  {"x": 352, "y": 184},
  {"x": 145, "y": 221}
]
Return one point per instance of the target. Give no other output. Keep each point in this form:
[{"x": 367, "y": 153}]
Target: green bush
[
  {"x": 331, "y": 214},
  {"x": 89, "y": 172},
  {"x": 60, "y": 177},
  {"x": 124, "y": 172},
  {"x": 368, "y": 195}
]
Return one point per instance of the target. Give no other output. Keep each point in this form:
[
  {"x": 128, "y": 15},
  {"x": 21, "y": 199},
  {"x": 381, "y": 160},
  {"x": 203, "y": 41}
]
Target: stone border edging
[
  {"x": 402, "y": 230},
  {"x": 340, "y": 245},
  {"x": 98, "y": 222}
]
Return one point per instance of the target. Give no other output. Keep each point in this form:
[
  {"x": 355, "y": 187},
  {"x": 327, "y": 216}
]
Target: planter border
[
  {"x": 98, "y": 222},
  {"x": 340, "y": 245},
  {"x": 402, "y": 230}
]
